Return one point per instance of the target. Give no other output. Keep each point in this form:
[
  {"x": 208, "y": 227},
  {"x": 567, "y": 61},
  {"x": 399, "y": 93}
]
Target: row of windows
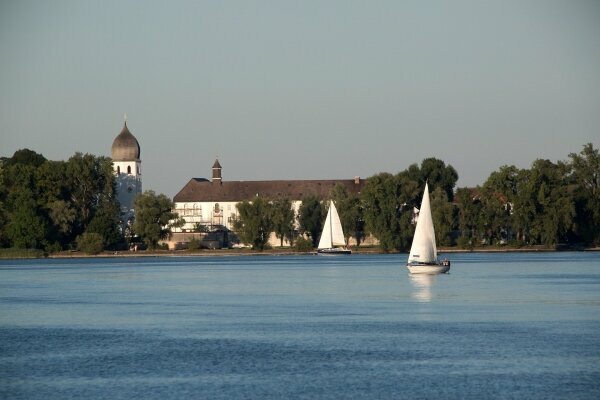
[
  {"x": 138, "y": 171},
  {"x": 197, "y": 209}
]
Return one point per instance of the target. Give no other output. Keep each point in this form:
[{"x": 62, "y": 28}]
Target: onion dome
[{"x": 125, "y": 147}]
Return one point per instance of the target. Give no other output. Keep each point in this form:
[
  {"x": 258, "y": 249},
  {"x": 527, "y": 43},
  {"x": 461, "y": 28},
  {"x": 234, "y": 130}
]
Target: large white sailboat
[
  {"x": 423, "y": 252},
  {"x": 332, "y": 236}
]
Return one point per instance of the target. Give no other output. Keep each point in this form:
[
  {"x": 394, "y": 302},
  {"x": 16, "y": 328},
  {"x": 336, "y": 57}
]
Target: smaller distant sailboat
[
  {"x": 423, "y": 252},
  {"x": 332, "y": 236}
]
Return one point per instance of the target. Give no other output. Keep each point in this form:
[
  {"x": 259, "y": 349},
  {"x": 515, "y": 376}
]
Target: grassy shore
[
  {"x": 33, "y": 253},
  {"x": 288, "y": 251}
]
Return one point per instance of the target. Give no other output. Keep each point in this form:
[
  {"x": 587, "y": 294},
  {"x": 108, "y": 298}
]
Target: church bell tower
[{"x": 127, "y": 166}]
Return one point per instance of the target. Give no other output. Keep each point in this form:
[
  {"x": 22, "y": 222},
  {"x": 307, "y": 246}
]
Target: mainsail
[
  {"x": 333, "y": 234},
  {"x": 423, "y": 248}
]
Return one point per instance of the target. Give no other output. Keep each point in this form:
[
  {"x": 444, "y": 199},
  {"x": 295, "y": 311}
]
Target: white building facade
[{"x": 212, "y": 204}]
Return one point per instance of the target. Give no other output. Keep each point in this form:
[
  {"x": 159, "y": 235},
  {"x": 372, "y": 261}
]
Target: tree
[
  {"x": 438, "y": 174},
  {"x": 90, "y": 181},
  {"x": 388, "y": 206},
  {"x": 469, "y": 208},
  {"x": 442, "y": 215},
  {"x": 586, "y": 177},
  {"x": 200, "y": 228},
  {"x": 153, "y": 217},
  {"x": 26, "y": 157},
  {"x": 350, "y": 211},
  {"x": 493, "y": 221},
  {"x": 90, "y": 243},
  {"x": 254, "y": 223},
  {"x": 26, "y": 227},
  {"x": 283, "y": 217},
  {"x": 105, "y": 222},
  {"x": 311, "y": 216},
  {"x": 62, "y": 216},
  {"x": 544, "y": 206}
]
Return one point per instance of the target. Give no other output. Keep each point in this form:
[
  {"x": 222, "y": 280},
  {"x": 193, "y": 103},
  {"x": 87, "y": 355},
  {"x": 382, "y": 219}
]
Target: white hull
[{"x": 430, "y": 269}]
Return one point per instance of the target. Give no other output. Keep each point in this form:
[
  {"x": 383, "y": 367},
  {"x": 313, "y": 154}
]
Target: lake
[{"x": 500, "y": 325}]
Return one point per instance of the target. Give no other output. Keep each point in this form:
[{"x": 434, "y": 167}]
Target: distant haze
[{"x": 301, "y": 89}]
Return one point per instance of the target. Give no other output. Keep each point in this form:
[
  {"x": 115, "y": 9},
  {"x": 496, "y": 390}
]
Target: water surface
[{"x": 523, "y": 325}]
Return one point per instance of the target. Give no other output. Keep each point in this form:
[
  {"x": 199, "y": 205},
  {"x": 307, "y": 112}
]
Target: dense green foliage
[
  {"x": 548, "y": 204},
  {"x": 351, "y": 212},
  {"x": 153, "y": 217},
  {"x": 48, "y": 204},
  {"x": 311, "y": 216},
  {"x": 389, "y": 202},
  {"x": 22, "y": 253},
  {"x": 282, "y": 216},
  {"x": 586, "y": 193},
  {"x": 304, "y": 245},
  {"x": 90, "y": 243},
  {"x": 57, "y": 205},
  {"x": 255, "y": 222}
]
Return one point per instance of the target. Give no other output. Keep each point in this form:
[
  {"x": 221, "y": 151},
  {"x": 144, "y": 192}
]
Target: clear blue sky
[{"x": 301, "y": 89}]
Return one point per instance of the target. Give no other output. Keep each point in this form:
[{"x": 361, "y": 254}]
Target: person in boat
[{"x": 446, "y": 262}]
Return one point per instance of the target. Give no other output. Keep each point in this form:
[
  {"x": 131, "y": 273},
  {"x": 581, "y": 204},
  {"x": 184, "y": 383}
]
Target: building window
[
  {"x": 217, "y": 208},
  {"x": 129, "y": 169},
  {"x": 118, "y": 170}
]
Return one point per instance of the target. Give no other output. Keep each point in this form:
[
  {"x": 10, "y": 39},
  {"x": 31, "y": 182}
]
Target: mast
[{"x": 330, "y": 225}]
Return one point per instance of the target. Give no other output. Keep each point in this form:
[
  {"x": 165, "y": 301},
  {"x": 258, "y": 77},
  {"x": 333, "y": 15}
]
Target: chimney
[{"x": 357, "y": 180}]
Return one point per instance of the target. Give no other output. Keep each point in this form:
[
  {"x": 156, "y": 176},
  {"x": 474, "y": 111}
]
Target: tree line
[
  {"x": 548, "y": 204},
  {"x": 62, "y": 205},
  {"x": 69, "y": 205}
]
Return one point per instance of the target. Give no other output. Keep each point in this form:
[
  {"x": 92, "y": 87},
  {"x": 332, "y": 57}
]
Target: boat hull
[
  {"x": 429, "y": 269},
  {"x": 334, "y": 252}
]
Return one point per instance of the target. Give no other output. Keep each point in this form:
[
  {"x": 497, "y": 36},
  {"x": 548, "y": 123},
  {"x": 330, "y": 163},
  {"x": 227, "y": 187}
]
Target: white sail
[
  {"x": 332, "y": 234},
  {"x": 423, "y": 248}
]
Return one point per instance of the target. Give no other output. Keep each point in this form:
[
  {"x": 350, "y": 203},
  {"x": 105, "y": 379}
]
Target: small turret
[{"x": 216, "y": 172}]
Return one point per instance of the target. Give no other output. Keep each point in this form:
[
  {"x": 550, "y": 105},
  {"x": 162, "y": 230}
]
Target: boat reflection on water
[{"x": 422, "y": 284}]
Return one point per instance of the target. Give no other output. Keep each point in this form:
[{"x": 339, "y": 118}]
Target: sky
[{"x": 301, "y": 89}]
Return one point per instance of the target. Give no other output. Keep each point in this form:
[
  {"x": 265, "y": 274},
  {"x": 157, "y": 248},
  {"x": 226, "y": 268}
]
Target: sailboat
[
  {"x": 332, "y": 235},
  {"x": 423, "y": 252}
]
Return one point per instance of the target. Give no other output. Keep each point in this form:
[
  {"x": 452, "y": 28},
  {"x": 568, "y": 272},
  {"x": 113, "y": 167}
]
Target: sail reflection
[{"x": 422, "y": 284}]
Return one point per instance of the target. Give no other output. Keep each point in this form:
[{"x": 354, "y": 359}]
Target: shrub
[
  {"x": 193, "y": 244},
  {"x": 21, "y": 253},
  {"x": 464, "y": 242},
  {"x": 303, "y": 244},
  {"x": 90, "y": 243},
  {"x": 53, "y": 247}
]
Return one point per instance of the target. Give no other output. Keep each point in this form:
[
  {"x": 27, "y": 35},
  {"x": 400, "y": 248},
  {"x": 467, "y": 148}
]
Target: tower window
[{"x": 129, "y": 169}]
